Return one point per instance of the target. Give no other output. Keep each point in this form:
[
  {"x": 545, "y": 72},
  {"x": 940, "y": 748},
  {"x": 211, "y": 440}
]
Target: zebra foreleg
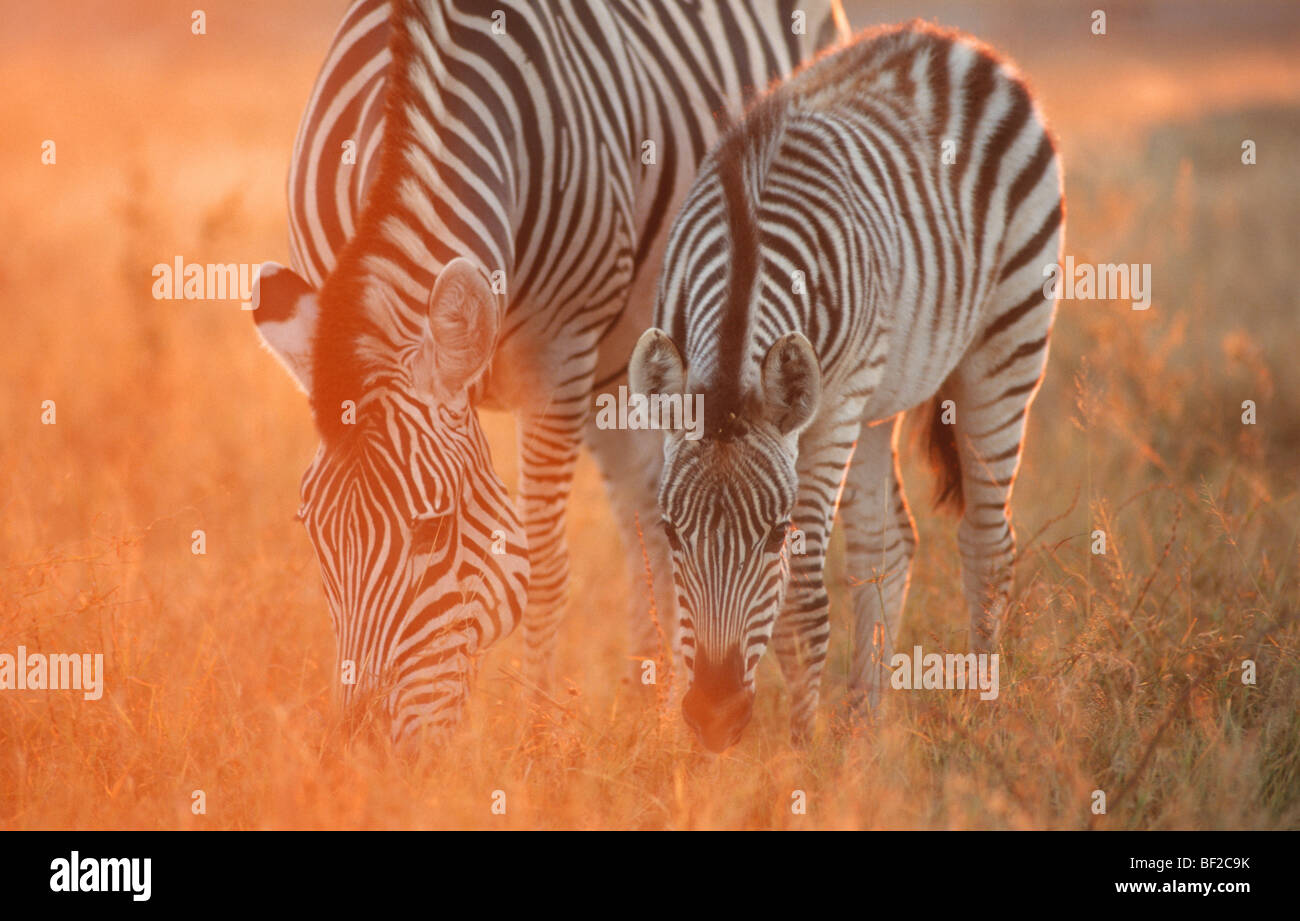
[
  {"x": 548, "y": 452},
  {"x": 880, "y": 539},
  {"x": 802, "y": 631},
  {"x": 630, "y": 462}
]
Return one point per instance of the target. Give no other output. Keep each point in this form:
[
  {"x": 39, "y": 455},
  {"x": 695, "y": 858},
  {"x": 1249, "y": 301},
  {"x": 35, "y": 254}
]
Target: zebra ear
[
  {"x": 792, "y": 383},
  {"x": 656, "y": 365},
  {"x": 463, "y": 323},
  {"x": 286, "y": 311}
]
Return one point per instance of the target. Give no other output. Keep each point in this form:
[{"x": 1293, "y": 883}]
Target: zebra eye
[
  {"x": 426, "y": 528},
  {"x": 776, "y": 537},
  {"x": 670, "y": 532}
]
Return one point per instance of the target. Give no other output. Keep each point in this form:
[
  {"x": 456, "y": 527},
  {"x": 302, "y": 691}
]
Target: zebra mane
[
  {"x": 740, "y": 161},
  {"x": 373, "y": 305}
]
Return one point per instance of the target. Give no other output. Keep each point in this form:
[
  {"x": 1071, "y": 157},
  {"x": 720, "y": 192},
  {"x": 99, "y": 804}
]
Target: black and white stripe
[
  {"x": 423, "y": 567},
  {"x": 871, "y": 236},
  {"x": 509, "y": 142},
  {"x": 328, "y": 181}
]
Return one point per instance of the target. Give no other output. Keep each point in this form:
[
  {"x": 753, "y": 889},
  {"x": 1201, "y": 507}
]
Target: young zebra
[
  {"x": 873, "y": 233},
  {"x": 516, "y": 164}
]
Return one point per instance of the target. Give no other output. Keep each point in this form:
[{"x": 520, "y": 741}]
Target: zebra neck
[
  {"x": 725, "y": 351},
  {"x": 451, "y": 157},
  {"x": 447, "y": 185}
]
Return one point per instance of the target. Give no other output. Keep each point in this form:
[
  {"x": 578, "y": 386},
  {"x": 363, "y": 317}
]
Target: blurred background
[{"x": 1122, "y": 671}]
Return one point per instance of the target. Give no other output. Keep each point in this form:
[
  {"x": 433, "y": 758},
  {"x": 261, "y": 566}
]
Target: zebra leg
[
  {"x": 992, "y": 388},
  {"x": 880, "y": 539},
  {"x": 548, "y": 453},
  {"x": 630, "y": 463},
  {"x": 803, "y": 629}
]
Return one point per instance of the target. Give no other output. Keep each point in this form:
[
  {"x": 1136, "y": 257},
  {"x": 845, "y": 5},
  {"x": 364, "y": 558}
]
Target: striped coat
[
  {"x": 871, "y": 237},
  {"x": 533, "y": 155}
]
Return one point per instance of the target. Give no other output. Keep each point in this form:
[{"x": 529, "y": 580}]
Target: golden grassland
[{"x": 1120, "y": 672}]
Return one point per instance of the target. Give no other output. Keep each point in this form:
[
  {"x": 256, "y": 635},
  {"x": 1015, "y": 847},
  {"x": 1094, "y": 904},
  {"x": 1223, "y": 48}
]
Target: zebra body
[
  {"x": 872, "y": 235},
  {"x": 512, "y": 149}
]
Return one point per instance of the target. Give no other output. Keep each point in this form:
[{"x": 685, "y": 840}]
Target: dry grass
[{"x": 1121, "y": 672}]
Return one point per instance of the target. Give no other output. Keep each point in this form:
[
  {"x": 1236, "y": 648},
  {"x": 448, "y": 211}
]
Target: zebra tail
[{"x": 941, "y": 448}]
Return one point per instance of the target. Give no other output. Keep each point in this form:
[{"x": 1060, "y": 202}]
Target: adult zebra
[
  {"x": 873, "y": 233},
  {"x": 523, "y": 165}
]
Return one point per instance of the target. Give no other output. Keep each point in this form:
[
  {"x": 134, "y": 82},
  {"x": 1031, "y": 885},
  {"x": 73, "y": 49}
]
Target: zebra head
[
  {"x": 422, "y": 558},
  {"x": 727, "y": 500}
]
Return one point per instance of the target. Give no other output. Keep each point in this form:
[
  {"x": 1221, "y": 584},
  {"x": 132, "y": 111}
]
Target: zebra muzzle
[{"x": 718, "y": 721}]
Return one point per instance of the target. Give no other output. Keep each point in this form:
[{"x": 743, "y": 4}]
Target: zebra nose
[{"x": 718, "y": 721}]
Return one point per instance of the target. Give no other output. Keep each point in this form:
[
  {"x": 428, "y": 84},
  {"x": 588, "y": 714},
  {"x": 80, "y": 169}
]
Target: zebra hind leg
[{"x": 992, "y": 388}]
